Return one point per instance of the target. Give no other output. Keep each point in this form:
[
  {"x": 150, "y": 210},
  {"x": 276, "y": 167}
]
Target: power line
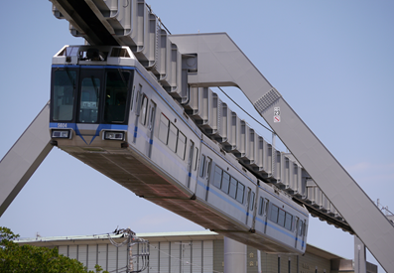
[{"x": 239, "y": 106}]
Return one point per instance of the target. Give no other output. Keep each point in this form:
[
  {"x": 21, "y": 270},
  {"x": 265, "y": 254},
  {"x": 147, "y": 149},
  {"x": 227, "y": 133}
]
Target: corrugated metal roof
[
  {"x": 151, "y": 237},
  {"x": 155, "y": 236}
]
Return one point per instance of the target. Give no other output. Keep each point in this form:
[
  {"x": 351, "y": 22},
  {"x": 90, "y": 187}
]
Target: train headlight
[
  {"x": 110, "y": 135},
  {"x": 61, "y": 134}
]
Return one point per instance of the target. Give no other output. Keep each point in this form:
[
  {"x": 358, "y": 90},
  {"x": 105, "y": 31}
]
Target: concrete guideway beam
[
  {"x": 222, "y": 63},
  {"x": 23, "y": 159}
]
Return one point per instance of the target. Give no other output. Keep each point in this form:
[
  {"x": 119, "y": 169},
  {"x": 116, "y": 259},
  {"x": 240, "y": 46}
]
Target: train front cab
[{"x": 90, "y": 98}]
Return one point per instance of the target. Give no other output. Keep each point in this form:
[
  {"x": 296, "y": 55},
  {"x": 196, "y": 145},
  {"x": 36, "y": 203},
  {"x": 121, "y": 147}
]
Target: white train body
[{"x": 108, "y": 111}]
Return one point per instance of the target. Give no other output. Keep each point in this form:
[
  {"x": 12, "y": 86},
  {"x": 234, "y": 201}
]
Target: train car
[{"x": 111, "y": 113}]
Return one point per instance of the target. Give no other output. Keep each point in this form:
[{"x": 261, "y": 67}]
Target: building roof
[{"x": 151, "y": 237}]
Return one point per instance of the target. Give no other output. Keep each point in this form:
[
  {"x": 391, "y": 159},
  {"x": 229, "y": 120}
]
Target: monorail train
[{"x": 111, "y": 113}]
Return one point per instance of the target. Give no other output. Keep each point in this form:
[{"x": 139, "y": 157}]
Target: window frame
[
  {"x": 164, "y": 129},
  {"x": 73, "y": 78},
  {"x": 181, "y": 145},
  {"x": 274, "y": 209},
  {"x": 240, "y": 196},
  {"x": 114, "y": 105},
  {"x": 173, "y": 137},
  {"x": 261, "y": 205},
  {"x": 251, "y": 200},
  {"x": 98, "y": 96},
  {"x": 144, "y": 109},
  {"x": 281, "y": 217},
  {"x": 223, "y": 187},
  {"x": 288, "y": 220},
  {"x": 233, "y": 189},
  {"x": 217, "y": 177},
  {"x": 202, "y": 166}
]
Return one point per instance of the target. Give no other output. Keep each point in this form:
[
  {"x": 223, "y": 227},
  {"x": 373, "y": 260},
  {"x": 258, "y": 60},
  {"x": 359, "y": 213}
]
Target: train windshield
[
  {"x": 62, "y": 102},
  {"x": 88, "y": 95},
  {"x": 89, "y": 99},
  {"x": 116, "y": 96}
]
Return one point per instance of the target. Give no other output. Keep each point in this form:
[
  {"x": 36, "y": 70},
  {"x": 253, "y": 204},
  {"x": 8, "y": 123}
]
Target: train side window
[
  {"x": 132, "y": 98},
  {"x": 274, "y": 213},
  {"x": 164, "y": 128},
  {"x": 173, "y": 137},
  {"x": 251, "y": 201},
  {"x": 225, "y": 182},
  {"x": 144, "y": 109},
  {"x": 137, "y": 100},
  {"x": 152, "y": 114},
  {"x": 208, "y": 163},
  {"x": 240, "y": 192},
  {"x": 181, "y": 147},
  {"x": 300, "y": 227},
  {"x": 217, "y": 177},
  {"x": 196, "y": 158},
  {"x": 281, "y": 217},
  {"x": 202, "y": 166},
  {"x": 266, "y": 206},
  {"x": 261, "y": 205},
  {"x": 233, "y": 187},
  {"x": 289, "y": 221}
]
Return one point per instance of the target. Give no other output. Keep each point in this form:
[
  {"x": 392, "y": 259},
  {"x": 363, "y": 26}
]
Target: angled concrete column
[
  {"x": 234, "y": 256},
  {"x": 22, "y": 160}
]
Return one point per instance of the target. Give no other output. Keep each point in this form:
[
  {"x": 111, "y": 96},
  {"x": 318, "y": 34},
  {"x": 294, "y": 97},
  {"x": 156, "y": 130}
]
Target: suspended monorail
[{"x": 108, "y": 111}]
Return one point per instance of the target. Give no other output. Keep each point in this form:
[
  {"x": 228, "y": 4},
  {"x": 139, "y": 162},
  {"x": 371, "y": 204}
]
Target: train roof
[{"x": 90, "y": 55}]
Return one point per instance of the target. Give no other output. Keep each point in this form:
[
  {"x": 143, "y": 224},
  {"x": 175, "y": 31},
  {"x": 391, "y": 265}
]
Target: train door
[
  {"x": 142, "y": 132},
  {"x": 203, "y": 177},
  {"x": 249, "y": 207},
  {"x": 208, "y": 165},
  {"x": 151, "y": 125},
  {"x": 297, "y": 220},
  {"x": 266, "y": 206},
  {"x": 299, "y": 235},
  {"x": 137, "y": 110},
  {"x": 190, "y": 163}
]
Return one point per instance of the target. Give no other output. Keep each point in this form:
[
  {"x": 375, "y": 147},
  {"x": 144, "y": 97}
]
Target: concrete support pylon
[
  {"x": 360, "y": 260},
  {"x": 234, "y": 256}
]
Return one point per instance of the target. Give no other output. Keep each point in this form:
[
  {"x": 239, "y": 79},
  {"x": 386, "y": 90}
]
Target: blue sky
[{"x": 333, "y": 62}]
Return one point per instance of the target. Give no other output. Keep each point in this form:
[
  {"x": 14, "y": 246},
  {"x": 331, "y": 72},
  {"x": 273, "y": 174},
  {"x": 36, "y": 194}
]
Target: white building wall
[
  {"x": 82, "y": 253},
  {"x": 63, "y": 250},
  {"x": 197, "y": 262},
  {"x": 122, "y": 257},
  {"x": 154, "y": 258},
  {"x": 112, "y": 257},
  {"x": 92, "y": 257},
  {"x": 175, "y": 257},
  {"x": 186, "y": 265},
  {"x": 102, "y": 256},
  {"x": 208, "y": 256},
  {"x": 72, "y": 252},
  {"x": 165, "y": 257}
]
